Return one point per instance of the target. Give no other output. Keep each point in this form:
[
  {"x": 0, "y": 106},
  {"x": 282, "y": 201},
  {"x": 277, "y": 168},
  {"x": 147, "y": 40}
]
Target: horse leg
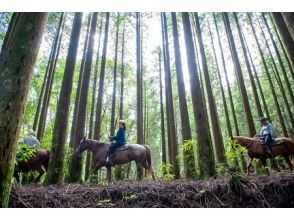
[
  {"x": 263, "y": 162},
  {"x": 41, "y": 172},
  {"x": 139, "y": 171},
  {"x": 109, "y": 174},
  {"x": 287, "y": 159},
  {"x": 249, "y": 166}
]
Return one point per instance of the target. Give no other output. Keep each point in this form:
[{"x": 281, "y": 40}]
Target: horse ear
[
  {"x": 231, "y": 137},
  {"x": 84, "y": 138}
]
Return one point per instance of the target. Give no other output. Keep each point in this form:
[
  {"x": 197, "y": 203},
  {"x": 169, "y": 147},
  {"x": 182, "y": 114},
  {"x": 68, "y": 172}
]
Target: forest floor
[{"x": 276, "y": 190}]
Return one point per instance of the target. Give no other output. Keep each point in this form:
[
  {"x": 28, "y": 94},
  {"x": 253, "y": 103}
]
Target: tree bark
[
  {"x": 217, "y": 136},
  {"x": 56, "y": 164},
  {"x": 204, "y": 145},
  {"x": 98, "y": 119},
  {"x": 289, "y": 20},
  {"x": 285, "y": 35},
  {"x": 189, "y": 160},
  {"x": 76, "y": 161},
  {"x": 121, "y": 105},
  {"x": 171, "y": 117},
  {"x": 240, "y": 79},
  {"x": 17, "y": 63},
  {"x": 269, "y": 78},
  {"x": 139, "y": 82}
]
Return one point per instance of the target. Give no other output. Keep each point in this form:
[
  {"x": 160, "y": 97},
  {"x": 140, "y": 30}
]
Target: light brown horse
[
  {"x": 39, "y": 163},
  {"x": 133, "y": 152},
  {"x": 257, "y": 150}
]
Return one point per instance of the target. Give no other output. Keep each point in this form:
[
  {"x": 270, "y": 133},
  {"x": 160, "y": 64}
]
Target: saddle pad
[{"x": 124, "y": 147}]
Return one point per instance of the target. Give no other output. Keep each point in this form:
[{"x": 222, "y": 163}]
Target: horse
[
  {"x": 256, "y": 150},
  {"x": 38, "y": 162},
  {"x": 122, "y": 155}
]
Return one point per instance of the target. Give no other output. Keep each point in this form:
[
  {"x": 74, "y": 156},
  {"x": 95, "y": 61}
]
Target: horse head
[
  {"x": 241, "y": 141},
  {"x": 82, "y": 147}
]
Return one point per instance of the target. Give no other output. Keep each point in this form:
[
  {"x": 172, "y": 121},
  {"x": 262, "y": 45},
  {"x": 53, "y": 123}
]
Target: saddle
[{"x": 276, "y": 141}]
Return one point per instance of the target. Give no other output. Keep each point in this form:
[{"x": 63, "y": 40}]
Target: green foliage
[
  {"x": 67, "y": 158},
  {"x": 235, "y": 150},
  {"x": 129, "y": 198},
  {"x": 166, "y": 171},
  {"x": 222, "y": 169},
  {"x": 24, "y": 153}
]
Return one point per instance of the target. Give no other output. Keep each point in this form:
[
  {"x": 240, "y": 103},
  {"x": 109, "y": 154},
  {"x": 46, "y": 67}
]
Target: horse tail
[
  {"x": 148, "y": 161},
  {"x": 47, "y": 160}
]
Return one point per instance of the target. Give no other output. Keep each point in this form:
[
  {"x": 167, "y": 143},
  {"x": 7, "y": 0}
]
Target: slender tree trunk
[
  {"x": 17, "y": 63},
  {"x": 50, "y": 80},
  {"x": 77, "y": 98},
  {"x": 258, "y": 81},
  {"x": 269, "y": 79},
  {"x": 288, "y": 109},
  {"x": 171, "y": 117},
  {"x": 253, "y": 86},
  {"x": 218, "y": 139},
  {"x": 56, "y": 164},
  {"x": 287, "y": 82},
  {"x": 112, "y": 123},
  {"x": 228, "y": 123},
  {"x": 282, "y": 46},
  {"x": 76, "y": 161},
  {"x": 163, "y": 143},
  {"x": 204, "y": 145},
  {"x": 121, "y": 105},
  {"x": 285, "y": 36},
  {"x": 98, "y": 119},
  {"x": 91, "y": 123},
  {"x": 37, "y": 115},
  {"x": 189, "y": 160},
  {"x": 246, "y": 106},
  {"x": 139, "y": 81},
  {"x": 289, "y": 20}
]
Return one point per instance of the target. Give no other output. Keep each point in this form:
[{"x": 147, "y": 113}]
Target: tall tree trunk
[
  {"x": 282, "y": 46},
  {"x": 76, "y": 161},
  {"x": 217, "y": 136},
  {"x": 189, "y": 159},
  {"x": 121, "y": 105},
  {"x": 166, "y": 101},
  {"x": 17, "y": 63},
  {"x": 98, "y": 119},
  {"x": 112, "y": 122},
  {"x": 50, "y": 80},
  {"x": 171, "y": 115},
  {"x": 285, "y": 35},
  {"x": 91, "y": 123},
  {"x": 163, "y": 143},
  {"x": 258, "y": 81},
  {"x": 289, "y": 88},
  {"x": 37, "y": 115},
  {"x": 253, "y": 86},
  {"x": 288, "y": 109},
  {"x": 237, "y": 132},
  {"x": 204, "y": 145},
  {"x": 56, "y": 164},
  {"x": 77, "y": 98},
  {"x": 289, "y": 20},
  {"x": 139, "y": 81},
  {"x": 240, "y": 79},
  {"x": 269, "y": 79},
  {"x": 228, "y": 123}
]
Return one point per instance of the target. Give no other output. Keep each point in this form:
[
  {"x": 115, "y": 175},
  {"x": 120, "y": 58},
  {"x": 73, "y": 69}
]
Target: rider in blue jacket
[
  {"x": 267, "y": 133},
  {"x": 119, "y": 138}
]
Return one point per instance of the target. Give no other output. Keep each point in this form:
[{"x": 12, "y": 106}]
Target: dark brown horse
[
  {"x": 39, "y": 163},
  {"x": 257, "y": 150},
  {"x": 132, "y": 152}
]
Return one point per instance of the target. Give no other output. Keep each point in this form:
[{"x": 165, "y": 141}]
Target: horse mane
[
  {"x": 95, "y": 143},
  {"x": 243, "y": 137}
]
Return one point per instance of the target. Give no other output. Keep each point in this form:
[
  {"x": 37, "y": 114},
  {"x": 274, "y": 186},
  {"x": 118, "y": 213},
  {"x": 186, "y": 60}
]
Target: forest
[{"x": 189, "y": 88}]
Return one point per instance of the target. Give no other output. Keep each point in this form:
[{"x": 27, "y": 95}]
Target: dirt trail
[{"x": 256, "y": 191}]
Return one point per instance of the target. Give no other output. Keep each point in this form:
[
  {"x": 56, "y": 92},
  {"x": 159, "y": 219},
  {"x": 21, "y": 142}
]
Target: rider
[
  {"x": 30, "y": 140},
  {"x": 120, "y": 139},
  {"x": 267, "y": 133}
]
